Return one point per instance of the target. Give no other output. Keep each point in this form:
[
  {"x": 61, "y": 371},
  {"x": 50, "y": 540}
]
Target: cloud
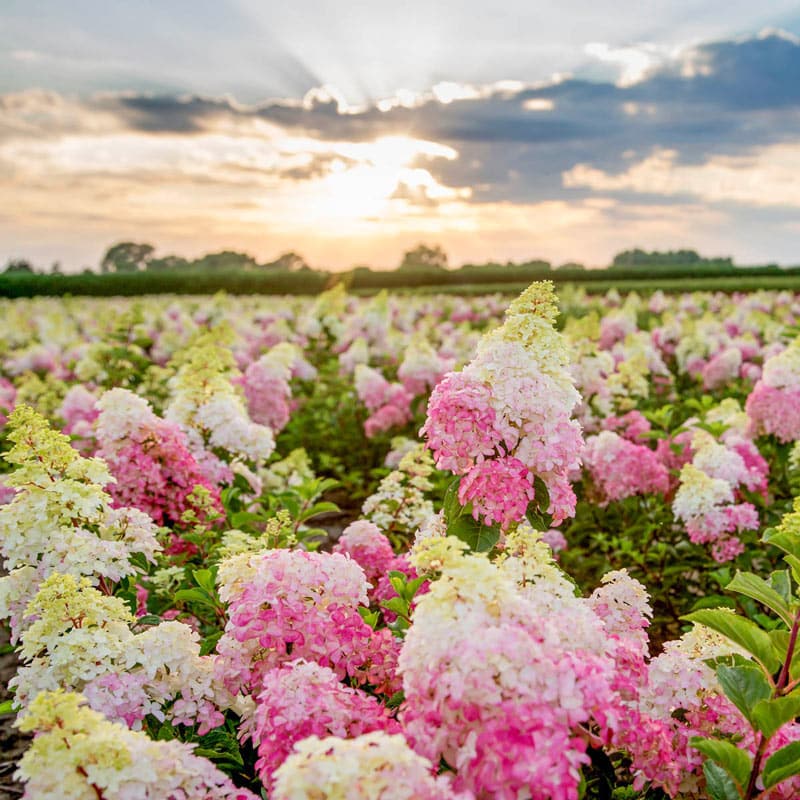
[
  {"x": 767, "y": 177},
  {"x": 515, "y": 140},
  {"x": 634, "y": 62}
]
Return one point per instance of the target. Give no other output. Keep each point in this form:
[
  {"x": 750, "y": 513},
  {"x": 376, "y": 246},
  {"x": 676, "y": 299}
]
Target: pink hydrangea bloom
[
  {"x": 8, "y": 397},
  {"x": 775, "y": 411},
  {"x": 389, "y": 404},
  {"x": 614, "y": 328},
  {"x": 716, "y": 527},
  {"x": 157, "y": 475},
  {"x": 722, "y": 368},
  {"x": 514, "y": 401},
  {"x": 499, "y": 489},
  {"x": 673, "y": 452},
  {"x": 422, "y": 368},
  {"x": 395, "y": 414},
  {"x": 630, "y": 426},
  {"x": 302, "y": 699},
  {"x": 267, "y": 391},
  {"x": 562, "y": 498},
  {"x": 506, "y": 723},
  {"x": 555, "y": 539},
  {"x": 757, "y": 478},
  {"x": 620, "y": 468},
  {"x": 150, "y": 458},
  {"x": 371, "y": 387},
  {"x": 79, "y": 411},
  {"x": 364, "y": 543},
  {"x": 462, "y": 425},
  {"x": 293, "y": 604}
]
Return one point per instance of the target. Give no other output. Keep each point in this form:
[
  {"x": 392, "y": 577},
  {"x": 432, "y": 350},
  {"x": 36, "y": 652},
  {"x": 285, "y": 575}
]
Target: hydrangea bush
[{"x": 421, "y": 547}]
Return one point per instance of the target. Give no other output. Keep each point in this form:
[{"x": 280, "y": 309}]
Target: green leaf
[
  {"x": 242, "y": 519},
  {"x": 783, "y": 540},
  {"x": 794, "y": 563},
  {"x": 370, "y": 617},
  {"x": 204, "y": 578},
  {"x": 744, "y": 687},
  {"x": 538, "y": 520},
  {"x": 781, "y": 582},
  {"x": 210, "y": 642},
  {"x": 396, "y": 699},
  {"x": 752, "y": 586},
  {"x": 541, "y": 494},
  {"x": 719, "y": 783},
  {"x": 323, "y": 507},
  {"x": 325, "y": 485},
  {"x": 222, "y": 748},
  {"x": 741, "y": 631},
  {"x": 480, "y": 538},
  {"x": 737, "y": 763},
  {"x": 6, "y": 707},
  {"x": 397, "y": 605},
  {"x": 714, "y": 601},
  {"x": 291, "y": 505},
  {"x": 780, "y": 641},
  {"x": 450, "y": 505},
  {"x": 771, "y": 715},
  {"x": 193, "y": 596},
  {"x": 148, "y": 619},
  {"x": 165, "y": 733},
  {"x": 782, "y": 764}
]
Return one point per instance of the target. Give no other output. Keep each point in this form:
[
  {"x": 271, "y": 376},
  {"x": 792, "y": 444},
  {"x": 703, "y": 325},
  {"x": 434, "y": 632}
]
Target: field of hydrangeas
[{"x": 402, "y": 547}]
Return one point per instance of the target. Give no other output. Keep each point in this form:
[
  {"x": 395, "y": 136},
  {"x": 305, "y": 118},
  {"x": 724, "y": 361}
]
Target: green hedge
[
  {"x": 139, "y": 283},
  {"x": 488, "y": 278}
]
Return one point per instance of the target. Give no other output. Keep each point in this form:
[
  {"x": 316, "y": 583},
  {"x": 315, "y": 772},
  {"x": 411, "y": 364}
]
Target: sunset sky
[{"x": 350, "y": 131}]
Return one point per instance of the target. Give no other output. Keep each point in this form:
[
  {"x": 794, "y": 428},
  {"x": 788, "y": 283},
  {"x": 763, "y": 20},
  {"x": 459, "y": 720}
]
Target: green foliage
[
  {"x": 736, "y": 763},
  {"x": 329, "y": 425},
  {"x": 424, "y": 257},
  {"x": 719, "y": 782},
  {"x": 766, "y": 690},
  {"x": 127, "y": 257},
  {"x": 782, "y": 764},
  {"x": 402, "y": 604},
  {"x": 460, "y": 522}
]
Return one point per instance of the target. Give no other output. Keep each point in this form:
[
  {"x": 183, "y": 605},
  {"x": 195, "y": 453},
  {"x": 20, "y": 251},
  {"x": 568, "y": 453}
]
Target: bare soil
[{"x": 12, "y": 743}]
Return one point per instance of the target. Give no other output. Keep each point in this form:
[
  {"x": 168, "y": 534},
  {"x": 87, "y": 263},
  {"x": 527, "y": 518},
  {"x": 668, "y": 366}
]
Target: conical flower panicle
[{"x": 505, "y": 420}]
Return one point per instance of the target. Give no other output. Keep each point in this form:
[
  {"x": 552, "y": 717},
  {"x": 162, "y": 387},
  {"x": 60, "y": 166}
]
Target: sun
[{"x": 364, "y": 182}]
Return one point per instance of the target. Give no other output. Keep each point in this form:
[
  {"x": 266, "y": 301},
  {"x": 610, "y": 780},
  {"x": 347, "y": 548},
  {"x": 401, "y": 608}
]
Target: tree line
[{"x": 130, "y": 268}]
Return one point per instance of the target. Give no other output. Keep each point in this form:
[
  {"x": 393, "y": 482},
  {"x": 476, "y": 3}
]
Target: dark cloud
[
  {"x": 722, "y": 98},
  {"x": 167, "y": 114}
]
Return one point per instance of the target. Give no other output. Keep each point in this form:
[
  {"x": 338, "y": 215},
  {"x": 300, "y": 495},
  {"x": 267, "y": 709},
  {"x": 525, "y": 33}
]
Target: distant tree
[
  {"x": 641, "y": 258},
  {"x": 55, "y": 268},
  {"x": 225, "y": 260},
  {"x": 167, "y": 263},
  {"x": 424, "y": 256},
  {"x": 290, "y": 262},
  {"x": 18, "y": 265},
  {"x": 127, "y": 257}
]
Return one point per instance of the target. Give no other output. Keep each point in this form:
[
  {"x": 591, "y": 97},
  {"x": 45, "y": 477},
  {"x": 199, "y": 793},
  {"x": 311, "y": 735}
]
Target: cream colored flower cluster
[
  {"x": 79, "y": 755},
  {"x": 61, "y": 519},
  {"x": 204, "y": 402}
]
